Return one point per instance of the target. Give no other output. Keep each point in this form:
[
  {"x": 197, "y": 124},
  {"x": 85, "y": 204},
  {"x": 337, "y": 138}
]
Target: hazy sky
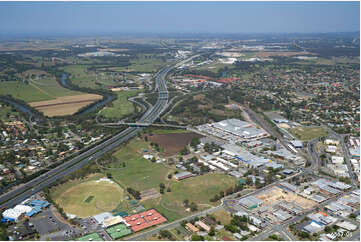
[{"x": 178, "y": 17}]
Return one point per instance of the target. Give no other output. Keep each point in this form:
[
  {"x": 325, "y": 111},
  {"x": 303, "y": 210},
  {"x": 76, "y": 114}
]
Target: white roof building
[
  {"x": 16, "y": 212},
  {"x": 337, "y": 159},
  {"x": 347, "y": 225}
]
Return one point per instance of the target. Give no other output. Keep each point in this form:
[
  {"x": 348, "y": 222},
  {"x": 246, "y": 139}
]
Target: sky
[{"x": 178, "y": 17}]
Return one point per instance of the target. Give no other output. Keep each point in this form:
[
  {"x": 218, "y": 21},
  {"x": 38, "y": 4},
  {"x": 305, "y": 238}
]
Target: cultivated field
[
  {"x": 90, "y": 198},
  {"x": 308, "y": 133},
  {"x": 272, "y": 196},
  {"x": 173, "y": 143},
  {"x": 65, "y": 105}
]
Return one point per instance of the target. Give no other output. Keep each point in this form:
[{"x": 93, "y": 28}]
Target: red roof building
[{"x": 144, "y": 220}]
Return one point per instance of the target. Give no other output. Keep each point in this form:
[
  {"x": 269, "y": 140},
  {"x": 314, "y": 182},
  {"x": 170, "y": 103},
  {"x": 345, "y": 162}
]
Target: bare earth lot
[
  {"x": 273, "y": 196},
  {"x": 173, "y": 143},
  {"x": 65, "y": 105}
]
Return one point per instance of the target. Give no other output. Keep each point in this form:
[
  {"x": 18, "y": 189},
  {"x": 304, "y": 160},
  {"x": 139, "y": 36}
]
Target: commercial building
[
  {"x": 14, "y": 214},
  {"x": 99, "y": 218},
  {"x": 192, "y": 228},
  {"x": 322, "y": 218},
  {"x": 203, "y": 225},
  {"x": 108, "y": 222}
]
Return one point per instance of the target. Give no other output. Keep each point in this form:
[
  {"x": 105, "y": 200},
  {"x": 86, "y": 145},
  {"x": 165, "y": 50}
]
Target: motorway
[{"x": 21, "y": 193}]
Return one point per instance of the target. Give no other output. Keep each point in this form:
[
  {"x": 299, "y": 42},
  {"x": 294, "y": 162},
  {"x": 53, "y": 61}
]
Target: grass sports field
[
  {"x": 308, "y": 133},
  {"x": 39, "y": 90},
  {"x": 196, "y": 189},
  {"x": 139, "y": 173},
  {"x": 88, "y": 197},
  {"x": 121, "y": 106}
]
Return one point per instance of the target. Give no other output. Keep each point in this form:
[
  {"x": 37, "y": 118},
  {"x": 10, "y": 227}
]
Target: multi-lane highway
[{"x": 23, "y": 192}]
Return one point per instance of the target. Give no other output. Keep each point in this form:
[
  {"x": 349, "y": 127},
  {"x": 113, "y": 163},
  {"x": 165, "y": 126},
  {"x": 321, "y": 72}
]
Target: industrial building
[
  {"x": 282, "y": 215},
  {"x": 182, "y": 175},
  {"x": 233, "y": 130},
  {"x": 288, "y": 186},
  {"x": 250, "y": 202}
]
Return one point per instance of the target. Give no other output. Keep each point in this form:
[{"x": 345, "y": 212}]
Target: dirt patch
[
  {"x": 149, "y": 194},
  {"x": 65, "y": 105},
  {"x": 199, "y": 97},
  {"x": 173, "y": 143},
  {"x": 275, "y": 195}
]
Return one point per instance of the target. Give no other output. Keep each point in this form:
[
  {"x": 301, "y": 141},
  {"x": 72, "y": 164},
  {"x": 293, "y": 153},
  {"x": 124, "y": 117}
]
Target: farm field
[
  {"x": 89, "y": 197},
  {"x": 121, "y": 106},
  {"x": 39, "y": 90},
  {"x": 139, "y": 173},
  {"x": 308, "y": 133},
  {"x": 79, "y": 75},
  {"x": 142, "y": 64},
  {"x": 173, "y": 142},
  {"x": 65, "y": 105}
]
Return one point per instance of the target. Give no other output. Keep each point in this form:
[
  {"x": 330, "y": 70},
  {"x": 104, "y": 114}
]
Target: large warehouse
[{"x": 240, "y": 128}]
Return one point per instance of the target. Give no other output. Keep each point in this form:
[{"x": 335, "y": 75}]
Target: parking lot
[{"x": 50, "y": 227}]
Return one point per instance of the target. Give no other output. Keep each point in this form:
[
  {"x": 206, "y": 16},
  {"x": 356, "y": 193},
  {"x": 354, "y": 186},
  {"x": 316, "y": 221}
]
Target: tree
[
  {"x": 186, "y": 203},
  {"x": 109, "y": 175},
  {"x": 196, "y": 237},
  {"x": 169, "y": 176},
  {"x": 249, "y": 181},
  {"x": 212, "y": 232},
  {"x": 153, "y": 159},
  {"x": 166, "y": 234},
  {"x": 327, "y": 229},
  {"x": 193, "y": 207}
]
